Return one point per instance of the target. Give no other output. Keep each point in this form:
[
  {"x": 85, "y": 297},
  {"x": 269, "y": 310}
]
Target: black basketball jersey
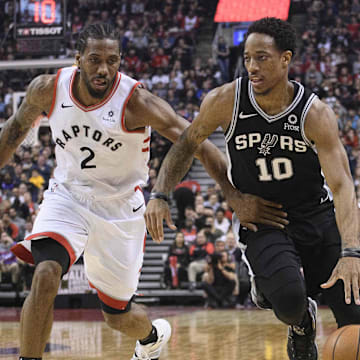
[{"x": 269, "y": 155}]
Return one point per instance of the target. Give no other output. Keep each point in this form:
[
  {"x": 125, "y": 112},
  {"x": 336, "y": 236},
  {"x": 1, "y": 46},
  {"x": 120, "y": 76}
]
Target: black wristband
[
  {"x": 350, "y": 252},
  {"x": 158, "y": 195}
]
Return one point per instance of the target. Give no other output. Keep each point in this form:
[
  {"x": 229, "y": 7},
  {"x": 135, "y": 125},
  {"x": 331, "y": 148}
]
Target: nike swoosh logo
[
  {"x": 322, "y": 200},
  {"x": 138, "y": 208},
  {"x": 66, "y": 106},
  {"x": 245, "y": 116}
]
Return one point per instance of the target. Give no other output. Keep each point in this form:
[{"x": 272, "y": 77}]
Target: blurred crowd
[
  {"x": 205, "y": 254},
  {"x": 328, "y": 62},
  {"x": 159, "y": 42}
]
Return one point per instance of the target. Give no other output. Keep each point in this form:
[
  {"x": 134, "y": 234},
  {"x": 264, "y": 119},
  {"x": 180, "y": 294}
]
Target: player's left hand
[
  {"x": 348, "y": 270},
  {"x": 251, "y": 209}
]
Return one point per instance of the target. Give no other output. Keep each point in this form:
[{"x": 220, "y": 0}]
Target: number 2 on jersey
[
  {"x": 84, "y": 163},
  {"x": 281, "y": 168}
]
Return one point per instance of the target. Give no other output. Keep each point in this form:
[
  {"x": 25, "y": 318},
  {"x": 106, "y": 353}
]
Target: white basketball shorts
[{"x": 111, "y": 233}]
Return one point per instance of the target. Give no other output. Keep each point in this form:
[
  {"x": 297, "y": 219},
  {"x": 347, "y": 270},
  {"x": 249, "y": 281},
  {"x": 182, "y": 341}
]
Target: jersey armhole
[
  {"x": 142, "y": 130},
  {"x": 305, "y": 111},
  {"x": 230, "y": 130},
  {"x": 54, "y": 94}
]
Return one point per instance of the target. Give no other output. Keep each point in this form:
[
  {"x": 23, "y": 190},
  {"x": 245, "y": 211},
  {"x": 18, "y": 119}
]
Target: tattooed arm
[
  {"x": 146, "y": 109},
  {"x": 37, "y": 100},
  {"x": 215, "y": 111}
]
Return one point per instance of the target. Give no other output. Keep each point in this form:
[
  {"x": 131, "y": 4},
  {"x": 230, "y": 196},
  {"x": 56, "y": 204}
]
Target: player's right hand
[
  {"x": 157, "y": 210},
  {"x": 252, "y": 209}
]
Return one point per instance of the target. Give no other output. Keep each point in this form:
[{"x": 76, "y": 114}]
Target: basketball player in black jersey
[{"x": 281, "y": 141}]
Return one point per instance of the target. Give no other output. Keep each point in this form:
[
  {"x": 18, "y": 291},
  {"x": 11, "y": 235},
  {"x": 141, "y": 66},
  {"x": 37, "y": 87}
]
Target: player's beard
[{"x": 98, "y": 94}]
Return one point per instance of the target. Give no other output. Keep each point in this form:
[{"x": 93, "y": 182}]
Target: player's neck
[{"x": 277, "y": 99}]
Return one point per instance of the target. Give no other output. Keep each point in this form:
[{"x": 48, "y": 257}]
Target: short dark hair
[
  {"x": 281, "y": 31},
  {"x": 97, "y": 31}
]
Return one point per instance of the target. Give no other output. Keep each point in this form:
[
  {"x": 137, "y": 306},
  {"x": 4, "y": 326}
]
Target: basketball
[{"x": 343, "y": 344}]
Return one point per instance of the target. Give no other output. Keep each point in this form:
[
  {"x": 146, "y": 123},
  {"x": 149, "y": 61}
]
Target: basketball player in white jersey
[{"x": 100, "y": 121}]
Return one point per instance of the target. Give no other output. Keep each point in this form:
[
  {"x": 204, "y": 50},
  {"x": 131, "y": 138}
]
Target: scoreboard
[{"x": 40, "y": 26}]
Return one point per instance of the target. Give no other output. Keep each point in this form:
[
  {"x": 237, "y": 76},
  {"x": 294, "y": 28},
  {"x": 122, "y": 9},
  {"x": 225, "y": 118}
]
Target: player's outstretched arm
[
  {"x": 321, "y": 127},
  {"x": 147, "y": 109},
  {"x": 38, "y": 99}
]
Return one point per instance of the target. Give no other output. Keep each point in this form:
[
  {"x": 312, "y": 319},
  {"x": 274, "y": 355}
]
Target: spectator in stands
[
  {"x": 199, "y": 199},
  {"x": 220, "y": 244},
  {"x": 189, "y": 230},
  {"x": 213, "y": 201},
  {"x": 17, "y": 175},
  {"x": 228, "y": 213},
  {"x": 351, "y": 138},
  {"x": 175, "y": 269},
  {"x": 200, "y": 216},
  {"x": 223, "y": 53},
  {"x": 18, "y": 204},
  {"x": 132, "y": 61},
  {"x": 28, "y": 228},
  {"x": 242, "y": 270},
  {"x": 37, "y": 179},
  {"x": 160, "y": 77},
  {"x": 211, "y": 231},
  {"x": 160, "y": 60},
  {"x": 198, "y": 254},
  {"x": 27, "y": 162},
  {"x": 190, "y": 24},
  {"x": 8, "y": 262},
  {"x": 42, "y": 166},
  {"x": 7, "y": 184},
  {"x": 18, "y": 221},
  {"x": 9, "y": 227},
  {"x": 28, "y": 201},
  {"x": 137, "y": 7},
  {"x": 184, "y": 195},
  {"x": 313, "y": 73},
  {"x": 221, "y": 222},
  {"x": 220, "y": 281},
  {"x": 232, "y": 247}
]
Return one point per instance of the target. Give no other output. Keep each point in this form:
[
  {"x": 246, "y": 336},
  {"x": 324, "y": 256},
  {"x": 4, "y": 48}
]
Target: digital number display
[
  {"x": 40, "y": 18},
  {"x": 44, "y": 11}
]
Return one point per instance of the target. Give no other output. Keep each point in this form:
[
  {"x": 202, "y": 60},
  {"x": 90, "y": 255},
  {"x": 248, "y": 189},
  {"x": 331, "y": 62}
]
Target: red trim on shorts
[
  {"x": 54, "y": 94},
  {"x": 123, "y": 111},
  {"x": 144, "y": 245},
  {"x": 85, "y": 108},
  {"x": 60, "y": 239},
  {"x": 22, "y": 253},
  {"x": 109, "y": 301},
  {"x": 147, "y": 139},
  {"x": 137, "y": 187}
]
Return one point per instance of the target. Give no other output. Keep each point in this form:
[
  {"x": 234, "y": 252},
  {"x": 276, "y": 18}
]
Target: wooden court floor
[{"x": 198, "y": 334}]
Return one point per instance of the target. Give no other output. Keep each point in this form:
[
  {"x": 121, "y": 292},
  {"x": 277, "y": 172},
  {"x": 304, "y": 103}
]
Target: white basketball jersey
[{"x": 96, "y": 155}]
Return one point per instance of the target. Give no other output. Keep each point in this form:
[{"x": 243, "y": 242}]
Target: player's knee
[
  {"x": 47, "y": 279},
  {"x": 120, "y": 319},
  {"x": 290, "y": 303}
]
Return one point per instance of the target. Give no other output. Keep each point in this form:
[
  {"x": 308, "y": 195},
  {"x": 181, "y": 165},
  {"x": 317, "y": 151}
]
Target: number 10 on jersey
[{"x": 279, "y": 169}]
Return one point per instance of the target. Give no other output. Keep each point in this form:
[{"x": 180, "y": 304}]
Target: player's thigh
[
  {"x": 64, "y": 222},
  {"x": 269, "y": 251},
  {"x": 320, "y": 260},
  {"x": 113, "y": 257}
]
